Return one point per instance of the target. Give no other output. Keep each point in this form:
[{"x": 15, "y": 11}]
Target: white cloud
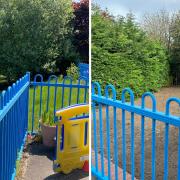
[
  {"x": 138, "y": 7},
  {"x": 118, "y": 10}
]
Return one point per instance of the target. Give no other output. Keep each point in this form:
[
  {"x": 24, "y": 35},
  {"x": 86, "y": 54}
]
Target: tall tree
[
  {"x": 175, "y": 33},
  {"x": 165, "y": 27},
  {"x": 81, "y": 28},
  {"x": 158, "y": 25},
  {"x": 175, "y": 49},
  {"x": 32, "y": 34},
  {"x": 124, "y": 56}
]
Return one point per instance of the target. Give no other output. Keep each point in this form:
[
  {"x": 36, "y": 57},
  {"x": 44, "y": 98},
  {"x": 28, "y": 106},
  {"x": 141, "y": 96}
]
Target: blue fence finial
[
  {"x": 149, "y": 94},
  {"x": 38, "y": 75},
  {"x": 29, "y": 76},
  {"x": 9, "y": 90},
  {"x": 123, "y": 96},
  {"x": 67, "y": 78},
  {"x": 168, "y": 102},
  {"x": 51, "y": 77},
  {"x": 94, "y": 86},
  {"x": 108, "y": 87}
]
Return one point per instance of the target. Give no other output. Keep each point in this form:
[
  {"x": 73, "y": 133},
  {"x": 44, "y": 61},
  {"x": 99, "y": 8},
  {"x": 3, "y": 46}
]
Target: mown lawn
[{"x": 59, "y": 102}]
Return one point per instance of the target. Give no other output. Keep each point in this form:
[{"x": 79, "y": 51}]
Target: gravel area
[{"x": 161, "y": 97}]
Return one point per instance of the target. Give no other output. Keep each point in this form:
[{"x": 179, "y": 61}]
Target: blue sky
[{"x": 138, "y": 7}]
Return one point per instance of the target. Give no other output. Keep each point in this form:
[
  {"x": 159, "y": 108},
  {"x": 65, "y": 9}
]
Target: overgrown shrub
[
  {"x": 73, "y": 71},
  {"x": 33, "y": 34},
  {"x": 124, "y": 56}
]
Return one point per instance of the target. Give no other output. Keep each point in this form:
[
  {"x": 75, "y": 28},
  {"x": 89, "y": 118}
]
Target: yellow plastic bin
[{"x": 72, "y": 144}]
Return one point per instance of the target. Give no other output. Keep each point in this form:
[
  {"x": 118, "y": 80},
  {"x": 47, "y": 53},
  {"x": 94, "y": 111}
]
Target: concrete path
[
  {"x": 39, "y": 165},
  {"x": 120, "y": 171}
]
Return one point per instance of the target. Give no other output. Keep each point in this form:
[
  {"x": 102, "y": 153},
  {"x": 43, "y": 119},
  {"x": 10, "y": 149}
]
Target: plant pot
[{"x": 48, "y": 135}]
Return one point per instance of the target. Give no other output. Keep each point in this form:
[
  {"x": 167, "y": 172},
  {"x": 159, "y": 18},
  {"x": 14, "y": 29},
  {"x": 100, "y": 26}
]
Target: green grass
[
  {"x": 51, "y": 100},
  {"x": 18, "y": 167}
]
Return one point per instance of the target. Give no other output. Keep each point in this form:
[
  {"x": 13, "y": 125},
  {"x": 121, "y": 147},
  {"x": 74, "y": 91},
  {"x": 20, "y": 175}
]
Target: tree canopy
[
  {"x": 81, "y": 28},
  {"x": 175, "y": 49},
  {"x": 123, "y": 55},
  {"x": 33, "y": 34},
  {"x": 164, "y": 26}
]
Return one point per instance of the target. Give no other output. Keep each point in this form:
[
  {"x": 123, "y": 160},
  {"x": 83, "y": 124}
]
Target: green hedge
[{"x": 124, "y": 56}]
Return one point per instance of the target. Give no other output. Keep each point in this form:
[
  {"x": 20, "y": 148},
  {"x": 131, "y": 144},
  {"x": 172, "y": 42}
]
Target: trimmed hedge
[{"x": 124, "y": 56}]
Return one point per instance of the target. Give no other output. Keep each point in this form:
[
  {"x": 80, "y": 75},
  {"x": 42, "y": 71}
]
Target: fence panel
[
  {"x": 108, "y": 125},
  {"x": 53, "y": 94},
  {"x": 13, "y": 125}
]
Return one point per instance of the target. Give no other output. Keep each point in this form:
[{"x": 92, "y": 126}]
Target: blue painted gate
[
  {"x": 55, "y": 93},
  {"x": 102, "y": 140},
  {"x": 28, "y": 100},
  {"x": 13, "y": 125}
]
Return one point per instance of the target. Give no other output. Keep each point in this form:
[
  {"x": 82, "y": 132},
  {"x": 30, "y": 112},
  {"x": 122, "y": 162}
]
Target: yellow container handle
[{"x": 72, "y": 111}]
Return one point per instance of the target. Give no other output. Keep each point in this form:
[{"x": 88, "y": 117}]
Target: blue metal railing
[
  {"x": 54, "y": 94},
  {"x": 16, "y": 107},
  {"x": 108, "y": 100},
  {"x": 13, "y": 125}
]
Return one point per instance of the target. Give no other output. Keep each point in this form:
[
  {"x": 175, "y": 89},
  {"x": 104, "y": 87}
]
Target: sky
[{"x": 138, "y": 7}]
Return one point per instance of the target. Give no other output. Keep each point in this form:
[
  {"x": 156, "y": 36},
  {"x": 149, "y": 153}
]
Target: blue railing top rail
[
  {"x": 67, "y": 81},
  {"x": 11, "y": 95},
  {"x": 131, "y": 107}
]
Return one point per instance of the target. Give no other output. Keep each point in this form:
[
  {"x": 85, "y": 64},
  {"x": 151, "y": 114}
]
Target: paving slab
[{"x": 120, "y": 170}]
